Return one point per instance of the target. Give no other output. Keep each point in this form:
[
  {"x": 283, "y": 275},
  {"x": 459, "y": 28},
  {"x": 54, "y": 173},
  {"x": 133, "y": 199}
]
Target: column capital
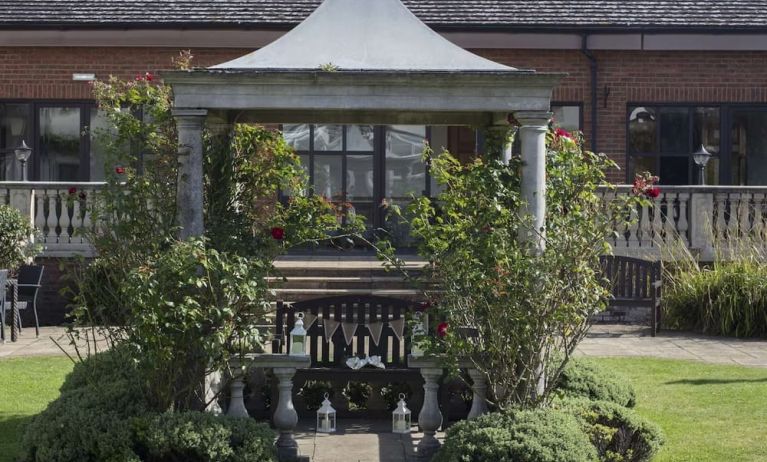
[
  {"x": 189, "y": 117},
  {"x": 533, "y": 118}
]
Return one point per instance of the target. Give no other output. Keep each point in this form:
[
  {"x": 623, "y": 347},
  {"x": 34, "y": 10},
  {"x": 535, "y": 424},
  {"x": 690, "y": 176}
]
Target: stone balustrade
[
  {"x": 59, "y": 211},
  {"x": 701, "y": 219}
]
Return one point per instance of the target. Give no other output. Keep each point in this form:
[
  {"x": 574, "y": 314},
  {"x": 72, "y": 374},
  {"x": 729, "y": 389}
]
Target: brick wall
[{"x": 630, "y": 76}]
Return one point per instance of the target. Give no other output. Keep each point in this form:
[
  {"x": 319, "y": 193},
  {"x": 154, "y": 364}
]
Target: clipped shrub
[
  {"x": 107, "y": 366},
  {"x": 618, "y": 434},
  {"x": 587, "y": 379},
  {"x": 541, "y": 435},
  {"x": 727, "y": 298},
  {"x": 15, "y": 230},
  {"x": 200, "y": 437}
]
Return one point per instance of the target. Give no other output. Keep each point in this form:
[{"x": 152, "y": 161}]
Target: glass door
[
  {"x": 60, "y": 154},
  {"x": 747, "y": 163}
]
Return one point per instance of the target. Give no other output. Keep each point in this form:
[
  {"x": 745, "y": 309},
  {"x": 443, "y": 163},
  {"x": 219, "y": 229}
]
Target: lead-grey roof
[
  {"x": 370, "y": 35},
  {"x": 461, "y": 14}
]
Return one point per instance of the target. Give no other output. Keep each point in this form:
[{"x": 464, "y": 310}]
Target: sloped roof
[
  {"x": 369, "y": 35},
  {"x": 461, "y": 14}
]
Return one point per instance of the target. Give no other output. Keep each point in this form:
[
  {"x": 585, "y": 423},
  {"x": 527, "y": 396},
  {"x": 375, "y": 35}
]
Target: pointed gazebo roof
[
  {"x": 377, "y": 35},
  {"x": 363, "y": 61}
]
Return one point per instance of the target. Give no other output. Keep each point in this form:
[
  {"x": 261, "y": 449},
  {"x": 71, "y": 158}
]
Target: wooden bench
[
  {"x": 328, "y": 358},
  {"x": 635, "y": 283}
]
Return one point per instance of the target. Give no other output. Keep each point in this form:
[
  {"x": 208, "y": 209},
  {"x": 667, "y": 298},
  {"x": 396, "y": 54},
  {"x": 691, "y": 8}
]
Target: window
[
  {"x": 63, "y": 138},
  {"x": 567, "y": 116},
  {"x": 661, "y": 140}
]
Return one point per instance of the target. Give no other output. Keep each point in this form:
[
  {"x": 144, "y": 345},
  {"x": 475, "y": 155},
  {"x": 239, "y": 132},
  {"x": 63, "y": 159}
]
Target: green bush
[
  {"x": 15, "y": 231},
  {"x": 103, "y": 415},
  {"x": 542, "y": 435},
  {"x": 587, "y": 379},
  {"x": 199, "y": 437},
  {"x": 618, "y": 434},
  {"x": 728, "y": 298}
]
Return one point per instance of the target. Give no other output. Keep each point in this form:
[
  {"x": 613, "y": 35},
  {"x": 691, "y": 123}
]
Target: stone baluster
[
  {"x": 669, "y": 224},
  {"x": 64, "y": 219},
  {"x": 732, "y": 223},
  {"x": 657, "y": 222},
  {"x": 645, "y": 227},
  {"x": 682, "y": 225},
  {"x": 77, "y": 221},
  {"x": 430, "y": 417},
  {"x": 744, "y": 212},
  {"x": 608, "y": 199},
  {"x": 479, "y": 387},
  {"x": 40, "y": 217},
  {"x": 633, "y": 228},
  {"x": 621, "y": 226},
  {"x": 702, "y": 224},
  {"x": 720, "y": 227},
  {"x": 285, "y": 416},
  {"x": 758, "y": 229},
  {"x": 237, "y": 401}
]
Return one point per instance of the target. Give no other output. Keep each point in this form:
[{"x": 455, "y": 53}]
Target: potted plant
[{"x": 16, "y": 243}]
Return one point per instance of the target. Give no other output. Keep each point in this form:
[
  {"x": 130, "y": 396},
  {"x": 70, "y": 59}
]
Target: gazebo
[{"x": 361, "y": 61}]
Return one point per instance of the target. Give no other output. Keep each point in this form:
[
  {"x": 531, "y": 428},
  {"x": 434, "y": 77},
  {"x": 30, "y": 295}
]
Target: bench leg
[
  {"x": 430, "y": 417},
  {"x": 285, "y": 416}
]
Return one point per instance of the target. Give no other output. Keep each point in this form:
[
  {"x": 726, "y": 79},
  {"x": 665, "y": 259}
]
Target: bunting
[
  {"x": 349, "y": 329},
  {"x": 330, "y": 328},
  {"x": 375, "y": 329},
  {"x": 398, "y": 326},
  {"x": 309, "y": 320}
]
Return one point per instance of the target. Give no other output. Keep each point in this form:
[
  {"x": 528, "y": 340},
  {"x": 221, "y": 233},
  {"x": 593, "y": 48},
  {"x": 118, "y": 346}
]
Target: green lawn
[
  {"x": 28, "y": 385},
  {"x": 709, "y": 413}
]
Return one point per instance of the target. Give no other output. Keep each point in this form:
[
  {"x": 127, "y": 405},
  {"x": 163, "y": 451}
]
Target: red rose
[
  {"x": 442, "y": 329},
  {"x": 148, "y": 76},
  {"x": 278, "y": 233},
  {"x": 72, "y": 190},
  {"x": 564, "y": 133},
  {"x": 139, "y": 77},
  {"x": 653, "y": 192},
  {"x": 119, "y": 170}
]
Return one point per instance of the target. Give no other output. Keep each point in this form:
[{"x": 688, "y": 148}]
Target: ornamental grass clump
[{"x": 528, "y": 309}]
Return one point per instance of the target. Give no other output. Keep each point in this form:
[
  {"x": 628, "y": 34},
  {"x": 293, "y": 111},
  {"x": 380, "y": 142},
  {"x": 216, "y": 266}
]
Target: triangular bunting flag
[
  {"x": 349, "y": 329},
  {"x": 309, "y": 320},
  {"x": 375, "y": 329},
  {"x": 330, "y": 328},
  {"x": 398, "y": 326}
]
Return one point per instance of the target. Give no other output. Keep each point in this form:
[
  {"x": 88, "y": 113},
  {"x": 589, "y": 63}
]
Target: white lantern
[
  {"x": 298, "y": 337},
  {"x": 401, "y": 417},
  {"x": 326, "y": 417}
]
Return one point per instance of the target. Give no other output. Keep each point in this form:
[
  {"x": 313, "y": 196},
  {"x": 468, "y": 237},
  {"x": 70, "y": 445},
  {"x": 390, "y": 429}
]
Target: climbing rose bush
[{"x": 528, "y": 310}]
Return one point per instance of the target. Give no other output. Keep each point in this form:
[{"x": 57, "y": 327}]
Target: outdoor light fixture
[
  {"x": 298, "y": 337},
  {"x": 401, "y": 417},
  {"x": 701, "y": 158},
  {"x": 22, "y": 155},
  {"x": 326, "y": 417}
]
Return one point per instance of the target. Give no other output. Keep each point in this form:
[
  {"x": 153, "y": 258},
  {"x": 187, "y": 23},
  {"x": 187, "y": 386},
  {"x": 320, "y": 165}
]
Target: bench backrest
[
  {"x": 358, "y": 310},
  {"x": 631, "y": 278}
]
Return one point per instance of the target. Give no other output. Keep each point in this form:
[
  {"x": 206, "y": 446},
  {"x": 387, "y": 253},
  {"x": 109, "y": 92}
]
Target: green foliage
[
  {"x": 530, "y": 306},
  {"x": 15, "y": 234},
  {"x": 103, "y": 415},
  {"x": 587, "y": 379},
  {"x": 541, "y": 435},
  {"x": 201, "y": 437},
  {"x": 192, "y": 309},
  {"x": 358, "y": 394},
  {"x": 313, "y": 393},
  {"x": 618, "y": 434},
  {"x": 729, "y": 297}
]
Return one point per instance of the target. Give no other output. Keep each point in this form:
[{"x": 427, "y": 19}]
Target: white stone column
[
  {"x": 430, "y": 417},
  {"x": 532, "y": 133},
  {"x": 189, "y": 197}
]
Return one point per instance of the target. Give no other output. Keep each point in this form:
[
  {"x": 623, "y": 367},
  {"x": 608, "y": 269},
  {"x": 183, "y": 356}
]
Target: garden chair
[{"x": 29, "y": 282}]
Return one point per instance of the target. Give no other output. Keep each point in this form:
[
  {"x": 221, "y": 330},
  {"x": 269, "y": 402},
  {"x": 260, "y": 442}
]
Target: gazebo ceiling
[
  {"x": 368, "y": 61},
  {"x": 380, "y": 35}
]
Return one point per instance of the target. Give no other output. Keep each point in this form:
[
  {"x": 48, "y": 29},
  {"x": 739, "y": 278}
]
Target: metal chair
[{"x": 30, "y": 279}]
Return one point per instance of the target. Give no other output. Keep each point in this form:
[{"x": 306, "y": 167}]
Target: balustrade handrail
[
  {"x": 693, "y": 189},
  {"x": 52, "y": 184}
]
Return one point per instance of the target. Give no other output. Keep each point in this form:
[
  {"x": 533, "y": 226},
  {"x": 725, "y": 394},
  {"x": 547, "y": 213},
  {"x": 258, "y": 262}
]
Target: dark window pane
[
  {"x": 706, "y": 129},
  {"x": 328, "y": 137},
  {"x": 675, "y": 130},
  {"x": 359, "y": 138},
  {"x": 642, "y": 133},
  {"x": 14, "y": 128},
  {"x": 643, "y": 164},
  {"x": 59, "y": 143},
  {"x": 359, "y": 177},
  {"x": 674, "y": 170},
  {"x": 328, "y": 176},
  {"x": 405, "y": 172},
  {"x": 749, "y": 148}
]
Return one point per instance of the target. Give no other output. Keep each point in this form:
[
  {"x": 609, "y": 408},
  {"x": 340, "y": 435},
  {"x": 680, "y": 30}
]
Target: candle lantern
[
  {"x": 298, "y": 337},
  {"x": 326, "y": 417},
  {"x": 401, "y": 417}
]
